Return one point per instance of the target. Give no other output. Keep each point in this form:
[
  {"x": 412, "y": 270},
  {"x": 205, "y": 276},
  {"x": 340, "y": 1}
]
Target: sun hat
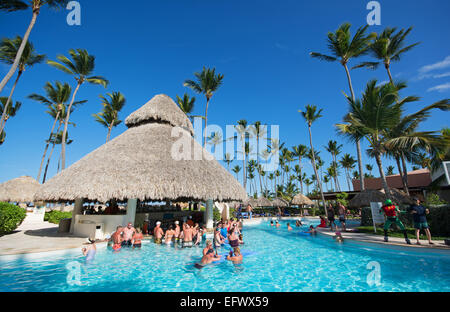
[
  {"x": 176, "y": 222},
  {"x": 158, "y": 223}
]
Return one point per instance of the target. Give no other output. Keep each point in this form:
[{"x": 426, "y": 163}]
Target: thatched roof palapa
[
  {"x": 301, "y": 199},
  {"x": 258, "y": 202},
  {"x": 364, "y": 198},
  {"x": 156, "y": 159},
  {"x": 19, "y": 190},
  {"x": 279, "y": 202}
]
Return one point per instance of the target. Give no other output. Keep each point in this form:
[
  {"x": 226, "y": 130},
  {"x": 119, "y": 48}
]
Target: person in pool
[
  {"x": 311, "y": 230},
  {"x": 241, "y": 239},
  {"x": 298, "y": 223},
  {"x": 117, "y": 239},
  {"x": 235, "y": 256},
  {"x": 218, "y": 238},
  {"x": 391, "y": 212},
  {"x": 137, "y": 238},
  {"x": 277, "y": 224},
  {"x": 177, "y": 231},
  {"x": 207, "y": 259},
  {"x": 127, "y": 235},
  {"x": 158, "y": 233},
  {"x": 187, "y": 236},
  {"x": 271, "y": 223},
  {"x": 90, "y": 251},
  {"x": 209, "y": 246},
  {"x": 233, "y": 239},
  {"x": 289, "y": 227},
  {"x": 199, "y": 236},
  {"x": 170, "y": 233},
  {"x": 338, "y": 237}
]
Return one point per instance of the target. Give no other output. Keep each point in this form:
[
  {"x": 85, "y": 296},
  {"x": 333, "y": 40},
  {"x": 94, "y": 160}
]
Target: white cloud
[
  {"x": 439, "y": 65},
  {"x": 382, "y": 83},
  {"x": 440, "y": 88}
]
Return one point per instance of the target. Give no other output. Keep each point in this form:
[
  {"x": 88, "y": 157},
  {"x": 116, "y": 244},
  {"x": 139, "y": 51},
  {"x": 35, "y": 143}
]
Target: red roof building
[{"x": 416, "y": 179}]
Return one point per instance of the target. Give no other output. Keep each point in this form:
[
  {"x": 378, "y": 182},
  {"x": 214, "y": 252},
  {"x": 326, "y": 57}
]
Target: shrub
[
  {"x": 11, "y": 216},
  {"x": 55, "y": 216},
  {"x": 342, "y": 198},
  {"x": 434, "y": 199},
  {"x": 216, "y": 214}
]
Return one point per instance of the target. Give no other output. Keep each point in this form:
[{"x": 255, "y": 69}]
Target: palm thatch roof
[
  {"x": 301, "y": 199},
  {"x": 156, "y": 159},
  {"x": 258, "y": 202},
  {"x": 19, "y": 190},
  {"x": 279, "y": 202},
  {"x": 364, "y": 198}
]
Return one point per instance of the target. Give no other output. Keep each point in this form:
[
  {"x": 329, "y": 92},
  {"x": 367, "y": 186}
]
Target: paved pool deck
[
  {"x": 35, "y": 236},
  {"x": 363, "y": 237}
]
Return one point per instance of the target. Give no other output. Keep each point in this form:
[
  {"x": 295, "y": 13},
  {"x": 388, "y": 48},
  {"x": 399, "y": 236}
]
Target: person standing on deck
[
  {"x": 250, "y": 211},
  {"x": 419, "y": 213},
  {"x": 391, "y": 211},
  {"x": 342, "y": 214}
]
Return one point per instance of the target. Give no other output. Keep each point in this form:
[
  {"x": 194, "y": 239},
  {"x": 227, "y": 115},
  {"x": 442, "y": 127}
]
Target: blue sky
[{"x": 262, "y": 47}]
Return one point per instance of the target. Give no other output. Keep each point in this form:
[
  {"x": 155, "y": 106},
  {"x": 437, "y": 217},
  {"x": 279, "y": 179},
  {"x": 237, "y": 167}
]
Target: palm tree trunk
[
  {"x": 8, "y": 102},
  {"x": 358, "y": 144},
  {"x": 405, "y": 173},
  {"x": 399, "y": 167},
  {"x": 382, "y": 175},
  {"x": 348, "y": 179},
  {"x": 206, "y": 121},
  {"x": 301, "y": 178},
  {"x": 46, "y": 145},
  {"x": 315, "y": 170},
  {"x": 66, "y": 123},
  {"x": 14, "y": 66},
  {"x": 109, "y": 134},
  {"x": 389, "y": 73}
]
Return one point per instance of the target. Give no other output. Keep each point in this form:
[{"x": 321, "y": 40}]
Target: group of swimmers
[
  {"x": 127, "y": 236},
  {"x": 188, "y": 235},
  {"x": 298, "y": 223},
  {"x": 225, "y": 231}
]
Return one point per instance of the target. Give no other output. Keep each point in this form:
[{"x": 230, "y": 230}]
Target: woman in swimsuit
[
  {"x": 137, "y": 238},
  {"x": 90, "y": 251},
  {"x": 233, "y": 239},
  {"x": 169, "y": 234}
]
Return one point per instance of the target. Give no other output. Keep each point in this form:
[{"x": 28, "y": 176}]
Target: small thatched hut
[
  {"x": 20, "y": 190},
  {"x": 258, "y": 202},
  {"x": 156, "y": 159},
  {"x": 301, "y": 199},
  {"x": 364, "y": 198},
  {"x": 279, "y": 202}
]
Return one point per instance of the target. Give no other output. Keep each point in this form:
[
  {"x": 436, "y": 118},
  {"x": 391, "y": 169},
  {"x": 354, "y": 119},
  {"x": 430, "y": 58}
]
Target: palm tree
[
  {"x": 369, "y": 168},
  {"x": 242, "y": 131},
  {"x": 379, "y": 109},
  {"x": 17, "y": 5},
  {"x": 300, "y": 151},
  {"x": 228, "y": 159},
  {"x": 258, "y": 131},
  {"x": 308, "y": 182},
  {"x": 334, "y": 149},
  {"x": 236, "y": 170},
  {"x": 311, "y": 114},
  {"x": 56, "y": 100},
  {"x": 81, "y": 67},
  {"x": 388, "y": 47},
  {"x": 348, "y": 163},
  {"x": 207, "y": 83},
  {"x": 8, "y": 111},
  {"x": 8, "y": 51},
  {"x": 332, "y": 173},
  {"x": 343, "y": 48},
  {"x": 55, "y": 140},
  {"x": 326, "y": 180},
  {"x": 404, "y": 137},
  {"x": 109, "y": 116},
  {"x": 390, "y": 170},
  {"x": 186, "y": 104}
]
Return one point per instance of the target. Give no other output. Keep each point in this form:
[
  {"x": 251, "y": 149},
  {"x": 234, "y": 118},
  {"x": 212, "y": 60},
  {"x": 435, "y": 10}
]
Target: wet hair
[
  {"x": 288, "y": 224},
  {"x": 236, "y": 251},
  {"x": 271, "y": 222}
]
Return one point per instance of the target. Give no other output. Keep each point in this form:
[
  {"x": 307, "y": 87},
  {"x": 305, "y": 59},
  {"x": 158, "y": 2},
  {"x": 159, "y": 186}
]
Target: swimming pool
[{"x": 280, "y": 261}]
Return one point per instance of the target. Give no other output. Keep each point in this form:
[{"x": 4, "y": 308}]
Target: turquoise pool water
[{"x": 279, "y": 261}]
